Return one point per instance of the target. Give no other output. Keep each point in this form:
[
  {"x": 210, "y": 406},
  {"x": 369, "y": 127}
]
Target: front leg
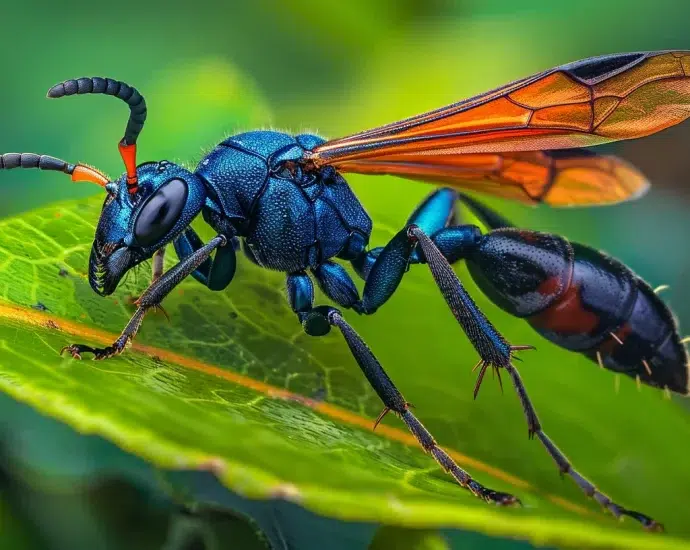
[
  {"x": 157, "y": 263},
  {"x": 214, "y": 273},
  {"x": 151, "y": 298}
]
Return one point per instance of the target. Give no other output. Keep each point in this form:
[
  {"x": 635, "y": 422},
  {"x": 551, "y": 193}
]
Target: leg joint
[{"x": 318, "y": 321}]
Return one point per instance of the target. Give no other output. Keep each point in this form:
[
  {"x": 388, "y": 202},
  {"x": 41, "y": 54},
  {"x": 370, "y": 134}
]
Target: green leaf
[{"x": 232, "y": 386}]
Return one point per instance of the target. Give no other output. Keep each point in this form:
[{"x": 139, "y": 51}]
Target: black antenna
[
  {"x": 32, "y": 160},
  {"x": 108, "y": 86}
]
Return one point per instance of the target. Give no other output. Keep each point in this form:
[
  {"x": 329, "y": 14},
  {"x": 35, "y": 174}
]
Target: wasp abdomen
[
  {"x": 523, "y": 272},
  {"x": 582, "y": 300},
  {"x": 616, "y": 319}
]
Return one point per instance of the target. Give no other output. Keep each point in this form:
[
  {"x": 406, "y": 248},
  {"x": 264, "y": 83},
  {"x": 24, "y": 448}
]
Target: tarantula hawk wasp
[{"x": 285, "y": 199}]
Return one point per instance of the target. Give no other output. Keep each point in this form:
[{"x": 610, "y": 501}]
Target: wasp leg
[
  {"x": 445, "y": 240},
  {"x": 434, "y": 213},
  {"x": 156, "y": 268},
  {"x": 337, "y": 284},
  {"x": 385, "y": 271},
  {"x": 488, "y": 216},
  {"x": 317, "y": 321},
  {"x": 215, "y": 273},
  {"x": 490, "y": 344},
  {"x": 426, "y": 238},
  {"x": 151, "y": 299},
  {"x": 564, "y": 464}
]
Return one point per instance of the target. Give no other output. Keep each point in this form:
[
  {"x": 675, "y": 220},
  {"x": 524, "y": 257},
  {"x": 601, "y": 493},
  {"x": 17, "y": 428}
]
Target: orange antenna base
[
  {"x": 129, "y": 157},
  {"x": 86, "y": 173}
]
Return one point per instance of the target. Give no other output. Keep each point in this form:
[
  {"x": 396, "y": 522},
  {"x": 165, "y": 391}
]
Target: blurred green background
[{"x": 213, "y": 68}]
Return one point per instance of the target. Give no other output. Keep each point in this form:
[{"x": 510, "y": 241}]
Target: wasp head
[{"x": 133, "y": 225}]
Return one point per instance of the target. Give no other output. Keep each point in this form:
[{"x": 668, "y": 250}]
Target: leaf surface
[{"x": 231, "y": 385}]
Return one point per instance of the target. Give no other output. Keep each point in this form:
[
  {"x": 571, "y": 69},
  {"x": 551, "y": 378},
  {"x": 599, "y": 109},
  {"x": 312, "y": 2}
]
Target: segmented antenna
[
  {"x": 108, "y": 86},
  {"x": 32, "y": 160},
  {"x": 137, "y": 115},
  {"x": 79, "y": 172}
]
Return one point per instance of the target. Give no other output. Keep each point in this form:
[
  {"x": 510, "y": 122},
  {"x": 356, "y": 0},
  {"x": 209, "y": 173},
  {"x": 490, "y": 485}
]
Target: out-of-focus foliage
[
  {"x": 210, "y": 68},
  {"x": 408, "y": 539}
]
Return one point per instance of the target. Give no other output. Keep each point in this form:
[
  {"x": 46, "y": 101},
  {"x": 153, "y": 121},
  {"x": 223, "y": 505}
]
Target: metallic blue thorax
[{"x": 289, "y": 219}]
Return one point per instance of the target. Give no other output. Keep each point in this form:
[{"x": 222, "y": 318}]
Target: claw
[
  {"x": 647, "y": 522},
  {"x": 73, "y": 350},
  {"x": 480, "y": 378},
  {"x": 381, "y": 416},
  {"x": 489, "y": 495},
  {"x": 500, "y": 382},
  {"x": 513, "y": 349},
  {"x": 98, "y": 353},
  {"x": 502, "y": 499},
  {"x": 484, "y": 365},
  {"x": 386, "y": 410},
  {"x": 159, "y": 307},
  {"x": 521, "y": 348}
]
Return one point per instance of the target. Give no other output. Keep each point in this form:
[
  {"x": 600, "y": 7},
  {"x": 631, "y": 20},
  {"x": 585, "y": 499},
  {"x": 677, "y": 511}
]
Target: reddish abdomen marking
[
  {"x": 522, "y": 272},
  {"x": 566, "y": 315},
  {"x": 598, "y": 300}
]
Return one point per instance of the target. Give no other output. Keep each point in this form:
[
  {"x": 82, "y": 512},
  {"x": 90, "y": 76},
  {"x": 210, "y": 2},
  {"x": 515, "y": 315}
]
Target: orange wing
[
  {"x": 475, "y": 143},
  {"x": 558, "y": 178}
]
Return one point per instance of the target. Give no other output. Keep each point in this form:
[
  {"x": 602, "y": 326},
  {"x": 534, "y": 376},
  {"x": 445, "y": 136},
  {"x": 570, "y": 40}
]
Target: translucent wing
[
  {"x": 470, "y": 144},
  {"x": 560, "y": 178}
]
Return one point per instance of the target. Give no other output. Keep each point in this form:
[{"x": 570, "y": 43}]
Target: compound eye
[{"x": 160, "y": 213}]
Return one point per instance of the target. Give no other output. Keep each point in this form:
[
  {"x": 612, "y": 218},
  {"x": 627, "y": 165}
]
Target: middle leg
[{"x": 317, "y": 321}]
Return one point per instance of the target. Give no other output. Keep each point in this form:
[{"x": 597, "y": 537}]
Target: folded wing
[{"x": 559, "y": 178}]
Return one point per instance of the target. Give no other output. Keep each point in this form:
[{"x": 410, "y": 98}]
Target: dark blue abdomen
[{"x": 290, "y": 220}]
